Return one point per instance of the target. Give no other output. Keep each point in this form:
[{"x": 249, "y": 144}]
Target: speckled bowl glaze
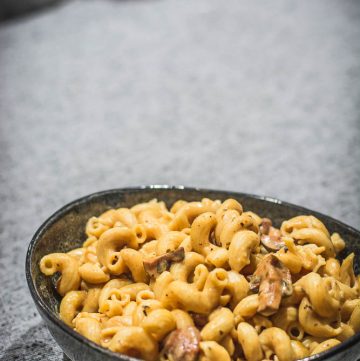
[{"x": 64, "y": 230}]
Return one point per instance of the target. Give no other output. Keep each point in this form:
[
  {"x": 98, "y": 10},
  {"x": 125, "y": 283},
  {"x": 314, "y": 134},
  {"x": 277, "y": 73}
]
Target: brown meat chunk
[
  {"x": 157, "y": 265},
  {"x": 181, "y": 345},
  {"x": 272, "y": 280}
]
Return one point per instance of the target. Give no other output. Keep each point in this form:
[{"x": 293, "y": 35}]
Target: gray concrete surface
[{"x": 259, "y": 97}]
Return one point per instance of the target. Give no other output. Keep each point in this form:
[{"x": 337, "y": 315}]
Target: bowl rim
[{"x": 50, "y": 315}]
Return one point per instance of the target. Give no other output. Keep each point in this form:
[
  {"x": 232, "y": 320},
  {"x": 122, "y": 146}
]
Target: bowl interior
[{"x": 65, "y": 230}]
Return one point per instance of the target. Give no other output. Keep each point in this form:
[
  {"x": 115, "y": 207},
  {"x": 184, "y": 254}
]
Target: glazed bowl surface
[{"x": 64, "y": 230}]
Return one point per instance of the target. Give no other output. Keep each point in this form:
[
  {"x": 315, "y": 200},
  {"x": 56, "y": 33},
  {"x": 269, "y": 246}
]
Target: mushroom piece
[
  {"x": 181, "y": 345},
  {"x": 265, "y": 226},
  {"x": 157, "y": 265},
  {"x": 272, "y": 280},
  {"x": 199, "y": 319},
  {"x": 270, "y": 236}
]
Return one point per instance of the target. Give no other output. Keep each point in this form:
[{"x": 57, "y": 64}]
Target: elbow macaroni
[{"x": 109, "y": 298}]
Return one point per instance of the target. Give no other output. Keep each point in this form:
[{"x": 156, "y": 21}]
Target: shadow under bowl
[{"x": 64, "y": 231}]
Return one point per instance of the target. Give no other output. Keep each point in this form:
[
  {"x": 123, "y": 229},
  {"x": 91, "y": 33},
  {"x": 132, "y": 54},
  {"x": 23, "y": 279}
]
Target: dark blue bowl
[{"x": 64, "y": 230}]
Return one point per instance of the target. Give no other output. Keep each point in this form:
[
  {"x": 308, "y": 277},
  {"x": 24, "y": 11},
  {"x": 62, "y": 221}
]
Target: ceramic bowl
[{"x": 64, "y": 230}]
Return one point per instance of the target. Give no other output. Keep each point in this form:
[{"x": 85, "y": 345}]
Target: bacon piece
[
  {"x": 157, "y": 265},
  {"x": 181, "y": 345},
  {"x": 272, "y": 280}
]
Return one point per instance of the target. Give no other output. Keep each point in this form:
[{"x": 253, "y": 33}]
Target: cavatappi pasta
[{"x": 207, "y": 281}]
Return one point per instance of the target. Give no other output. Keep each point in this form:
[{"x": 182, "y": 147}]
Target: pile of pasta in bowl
[{"x": 209, "y": 281}]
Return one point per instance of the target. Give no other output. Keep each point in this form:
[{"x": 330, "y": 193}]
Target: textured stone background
[{"x": 259, "y": 97}]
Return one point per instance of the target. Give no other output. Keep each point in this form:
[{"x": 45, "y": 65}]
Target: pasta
[{"x": 207, "y": 281}]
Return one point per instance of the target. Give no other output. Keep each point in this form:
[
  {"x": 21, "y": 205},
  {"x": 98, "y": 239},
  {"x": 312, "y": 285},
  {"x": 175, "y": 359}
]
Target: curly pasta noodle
[{"x": 207, "y": 280}]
